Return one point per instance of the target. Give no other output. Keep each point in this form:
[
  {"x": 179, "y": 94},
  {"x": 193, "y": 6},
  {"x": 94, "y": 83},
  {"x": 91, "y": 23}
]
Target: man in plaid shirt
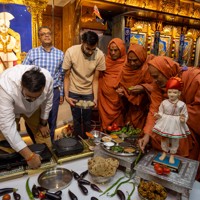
[{"x": 50, "y": 58}]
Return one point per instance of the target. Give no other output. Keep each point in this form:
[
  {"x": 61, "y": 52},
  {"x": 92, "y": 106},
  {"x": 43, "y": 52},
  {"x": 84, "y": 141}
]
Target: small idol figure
[{"x": 171, "y": 119}]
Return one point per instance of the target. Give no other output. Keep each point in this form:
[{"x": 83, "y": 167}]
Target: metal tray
[
  {"x": 55, "y": 179},
  {"x": 122, "y": 153}
]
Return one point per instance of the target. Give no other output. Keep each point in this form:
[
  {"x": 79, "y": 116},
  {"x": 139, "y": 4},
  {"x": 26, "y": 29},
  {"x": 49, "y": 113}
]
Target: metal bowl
[
  {"x": 101, "y": 179},
  {"x": 55, "y": 179},
  {"x": 146, "y": 198}
]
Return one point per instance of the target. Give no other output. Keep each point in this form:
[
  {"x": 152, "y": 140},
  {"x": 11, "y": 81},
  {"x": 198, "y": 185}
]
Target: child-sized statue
[{"x": 171, "y": 119}]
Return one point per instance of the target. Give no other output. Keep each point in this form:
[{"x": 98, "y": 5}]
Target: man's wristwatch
[{"x": 43, "y": 123}]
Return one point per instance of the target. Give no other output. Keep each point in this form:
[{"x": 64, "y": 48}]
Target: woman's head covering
[
  {"x": 139, "y": 51},
  {"x": 174, "y": 83},
  {"x": 166, "y": 66},
  {"x": 120, "y": 44}
]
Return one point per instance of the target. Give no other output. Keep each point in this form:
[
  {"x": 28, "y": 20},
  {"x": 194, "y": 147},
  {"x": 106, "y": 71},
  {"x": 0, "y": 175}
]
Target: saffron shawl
[
  {"x": 138, "y": 104},
  {"x": 109, "y": 103},
  {"x": 188, "y": 147}
]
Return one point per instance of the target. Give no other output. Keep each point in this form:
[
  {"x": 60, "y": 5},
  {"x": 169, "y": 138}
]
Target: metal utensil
[
  {"x": 89, "y": 146},
  {"x": 55, "y": 179}
]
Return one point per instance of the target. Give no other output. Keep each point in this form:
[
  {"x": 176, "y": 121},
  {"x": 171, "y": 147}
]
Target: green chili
[
  {"x": 114, "y": 184},
  {"x": 115, "y": 192},
  {"x": 129, "y": 196},
  {"x": 28, "y": 190},
  {"x": 138, "y": 158}
]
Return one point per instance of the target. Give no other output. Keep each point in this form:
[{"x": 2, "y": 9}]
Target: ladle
[{"x": 91, "y": 148}]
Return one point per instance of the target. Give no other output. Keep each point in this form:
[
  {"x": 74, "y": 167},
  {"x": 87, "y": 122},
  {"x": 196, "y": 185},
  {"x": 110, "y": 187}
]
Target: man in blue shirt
[{"x": 50, "y": 58}]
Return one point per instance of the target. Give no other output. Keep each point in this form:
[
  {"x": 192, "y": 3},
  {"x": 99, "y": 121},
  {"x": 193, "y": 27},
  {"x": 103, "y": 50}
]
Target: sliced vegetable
[
  {"x": 72, "y": 195},
  {"x": 84, "y": 190},
  {"x": 95, "y": 187},
  {"x": 112, "y": 186},
  {"x": 84, "y": 182},
  {"x": 83, "y": 174},
  {"x": 6, "y": 191},
  {"x": 121, "y": 195},
  {"x": 16, "y": 196},
  {"x": 28, "y": 190}
]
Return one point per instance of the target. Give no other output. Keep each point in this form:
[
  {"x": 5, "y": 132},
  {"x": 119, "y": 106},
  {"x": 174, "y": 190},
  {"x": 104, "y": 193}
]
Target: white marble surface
[{"x": 80, "y": 166}]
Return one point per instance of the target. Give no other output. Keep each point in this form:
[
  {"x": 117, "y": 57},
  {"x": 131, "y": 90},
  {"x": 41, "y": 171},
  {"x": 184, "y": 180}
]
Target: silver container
[{"x": 55, "y": 179}]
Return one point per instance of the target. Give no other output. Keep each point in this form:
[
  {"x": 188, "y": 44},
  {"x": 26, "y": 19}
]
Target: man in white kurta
[{"x": 14, "y": 104}]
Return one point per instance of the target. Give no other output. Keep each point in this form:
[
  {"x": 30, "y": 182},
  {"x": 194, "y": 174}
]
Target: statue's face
[
  {"x": 173, "y": 94},
  {"x": 3, "y": 28}
]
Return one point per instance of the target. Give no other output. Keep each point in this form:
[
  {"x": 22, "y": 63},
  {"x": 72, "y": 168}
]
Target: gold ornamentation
[
  {"x": 36, "y": 8},
  {"x": 5, "y": 43}
]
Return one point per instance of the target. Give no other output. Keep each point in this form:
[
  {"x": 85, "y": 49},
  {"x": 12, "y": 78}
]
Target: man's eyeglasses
[
  {"x": 45, "y": 34},
  {"x": 28, "y": 98}
]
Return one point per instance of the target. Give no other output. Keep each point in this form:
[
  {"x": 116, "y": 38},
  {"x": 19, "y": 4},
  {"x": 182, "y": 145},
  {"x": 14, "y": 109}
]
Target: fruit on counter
[
  {"x": 121, "y": 195},
  {"x": 95, "y": 187},
  {"x": 35, "y": 191},
  {"x": 72, "y": 195},
  {"x": 83, "y": 189},
  {"x": 16, "y": 196},
  {"x": 84, "y": 182},
  {"x": 59, "y": 193},
  {"x": 76, "y": 175},
  {"x": 113, "y": 127},
  {"x": 93, "y": 198},
  {"x": 42, "y": 195},
  {"x": 109, "y": 128},
  {"x": 41, "y": 188},
  {"x": 161, "y": 169},
  {"x": 6, "y": 197},
  {"x": 166, "y": 170},
  {"x": 28, "y": 190},
  {"x": 52, "y": 196},
  {"x": 83, "y": 174},
  {"x": 6, "y": 191}
]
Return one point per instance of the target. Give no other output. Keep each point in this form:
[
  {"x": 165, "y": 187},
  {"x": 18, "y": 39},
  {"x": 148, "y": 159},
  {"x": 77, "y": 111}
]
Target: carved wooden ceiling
[{"x": 175, "y": 12}]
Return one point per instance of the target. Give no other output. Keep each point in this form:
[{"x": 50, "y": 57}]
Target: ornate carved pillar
[{"x": 36, "y": 8}]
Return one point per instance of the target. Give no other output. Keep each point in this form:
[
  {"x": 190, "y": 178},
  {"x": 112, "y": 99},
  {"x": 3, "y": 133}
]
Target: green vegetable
[
  {"x": 138, "y": 158},
  {"x": 129, "y": 196},
  {"x": 116, "y": 189},
  {"x": 112, "y": 186},
  {"x": 28, "y": 190}
]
